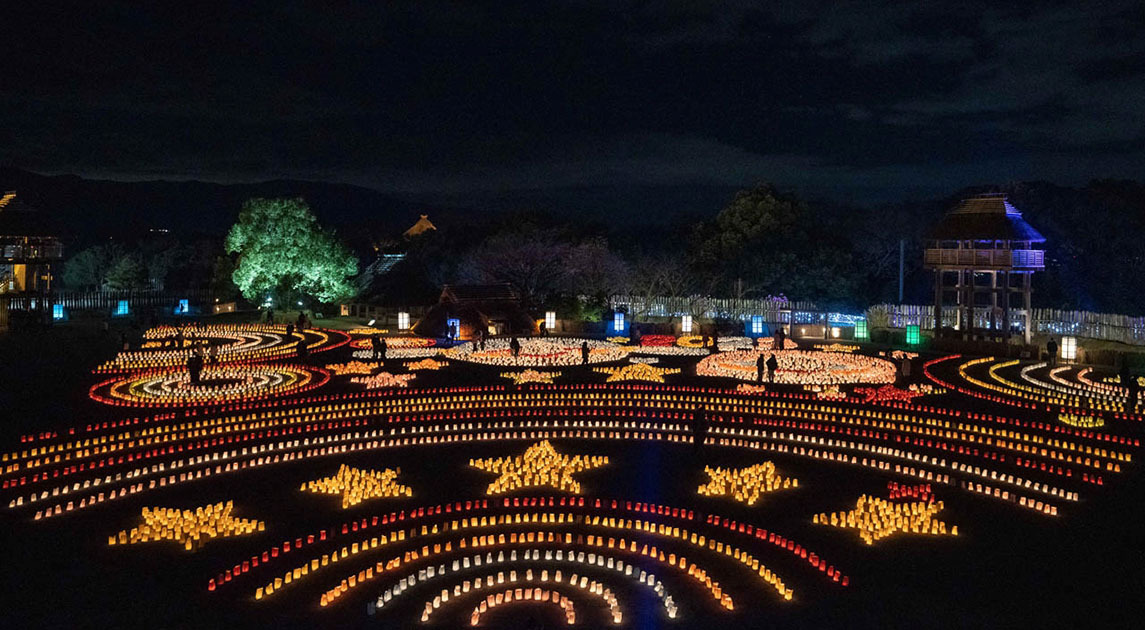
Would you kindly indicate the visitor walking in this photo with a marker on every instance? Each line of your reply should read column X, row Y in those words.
column 289, row 330
column 699, row 428
column 584, row 353
column 780, row 338
column 704, row 341
column 515, row 346
column 303, row 350
column 195, row 367
column 760, row 365
column 772, row 366
column 270, row 315
column 383, row 348
column 1052, row 349
column 212, row 355
column 1132, row 388
column 544, row 329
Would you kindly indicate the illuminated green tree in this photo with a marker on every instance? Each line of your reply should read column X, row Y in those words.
column 282, row 251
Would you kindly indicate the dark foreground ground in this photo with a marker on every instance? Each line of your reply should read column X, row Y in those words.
column 1008, row 569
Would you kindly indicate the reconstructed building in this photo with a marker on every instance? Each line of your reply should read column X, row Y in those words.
column 29, row 248
column 984, row 254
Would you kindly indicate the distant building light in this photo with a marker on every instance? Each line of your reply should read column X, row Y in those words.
column 403, row 321
column 686, row 324
column 371, row 322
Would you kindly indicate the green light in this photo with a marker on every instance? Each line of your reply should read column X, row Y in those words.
column 912, row 334
column 861, row 329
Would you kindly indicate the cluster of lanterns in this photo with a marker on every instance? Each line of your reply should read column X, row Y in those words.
column 658, row 340
column 218, row 384
column 395, row 343
column 745, row 485
column 357, row 485
column 399, row 353
column 890, row 393
column 384, row 380
column 826, row 392
column 799, row 367
column 875, row 518
column 837, row 347
column 540, row 466
column 538, row 352
column 367, row 331
column 189, row 528
column 353, row 367
column 530, row 376
column 1083, row 421
column 425, row 364
column 637, row 372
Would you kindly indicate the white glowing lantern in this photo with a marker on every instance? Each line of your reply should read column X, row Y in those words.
column 550, row 320
column 403, row 321
column 757, row 324
column 1069, row 348
column 686, row 324
column 618, row 322
column 835, row 332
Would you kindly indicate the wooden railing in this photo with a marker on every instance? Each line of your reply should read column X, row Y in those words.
column 986, row 258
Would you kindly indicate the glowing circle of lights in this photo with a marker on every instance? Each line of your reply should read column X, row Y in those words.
column 800, row 367
column 547, row 352
column 218, row 384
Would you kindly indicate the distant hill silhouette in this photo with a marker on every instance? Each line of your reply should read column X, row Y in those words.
column 90, row 209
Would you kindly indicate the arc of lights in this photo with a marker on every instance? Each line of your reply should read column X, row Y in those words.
column 527, row 579
column 533, row 558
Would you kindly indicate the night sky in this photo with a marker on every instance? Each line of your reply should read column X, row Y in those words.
column 863, row 101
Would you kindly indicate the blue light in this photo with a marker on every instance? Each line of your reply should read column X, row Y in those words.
column 618, row 322
column 57, row 311
column 757, row 324
column 121, row 308
column 183, row 308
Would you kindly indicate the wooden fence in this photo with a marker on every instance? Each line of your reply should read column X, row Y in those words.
column 1084, row 324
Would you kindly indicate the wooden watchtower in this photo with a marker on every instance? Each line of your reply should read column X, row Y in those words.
column 983, row 252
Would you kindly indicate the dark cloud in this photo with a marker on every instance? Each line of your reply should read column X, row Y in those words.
column 868, row 99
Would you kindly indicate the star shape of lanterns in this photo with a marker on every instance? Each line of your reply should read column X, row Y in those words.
column 530, row 376
column 382, row 380
column 190, row 528
column 353, row 367
column 425, row 364
column 745, row 485
column 637, row 372
column 874, row 519
column 357, row 485
column 540, row 466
